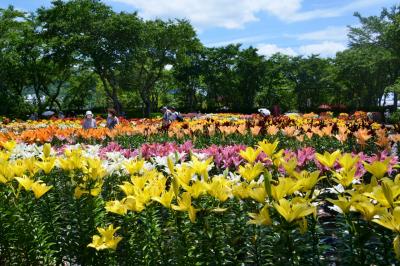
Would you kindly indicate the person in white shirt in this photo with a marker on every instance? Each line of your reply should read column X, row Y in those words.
column 166, row 121
column 175, row 115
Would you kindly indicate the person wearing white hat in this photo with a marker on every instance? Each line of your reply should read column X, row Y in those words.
column 264, row 112
column 89, row 121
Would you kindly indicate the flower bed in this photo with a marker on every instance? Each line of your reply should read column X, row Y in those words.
column 176, row 201
column 251, row 191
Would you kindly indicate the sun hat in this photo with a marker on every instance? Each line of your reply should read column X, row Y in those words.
column 89, row 113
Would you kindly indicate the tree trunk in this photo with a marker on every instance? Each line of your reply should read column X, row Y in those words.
column 147, row 108
column 395, row 100
column 112, row 94
column 117, row 104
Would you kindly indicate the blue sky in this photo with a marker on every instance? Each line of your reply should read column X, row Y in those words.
column 294, row 27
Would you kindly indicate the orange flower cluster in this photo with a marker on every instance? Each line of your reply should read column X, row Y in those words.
column 301, row 128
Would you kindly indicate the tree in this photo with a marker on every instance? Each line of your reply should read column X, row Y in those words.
column 163, row 44
column 251, row 70
column 219, row 69
column 381, row 35
column 312, row 84
column 189, row 78
column 31, row 63
column 278, row 87
column 97, row 37
column 364, row 72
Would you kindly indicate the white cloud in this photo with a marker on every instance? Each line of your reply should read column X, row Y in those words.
column 325, row 49
column 329, row 34
column 235, row 14
column 243, row 40
column 214, row 13
column 270, row 49
column 349, row 8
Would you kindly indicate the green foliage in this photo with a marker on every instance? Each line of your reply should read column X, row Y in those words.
column 81, row 53
column 395, row 117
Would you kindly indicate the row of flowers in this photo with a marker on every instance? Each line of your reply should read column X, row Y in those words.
column 285, row 189
column 303, row 131
column 231, row 157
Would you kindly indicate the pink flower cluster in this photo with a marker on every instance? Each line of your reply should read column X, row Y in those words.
column 228, row 157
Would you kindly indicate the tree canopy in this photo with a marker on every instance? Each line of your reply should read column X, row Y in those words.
column 81, row 54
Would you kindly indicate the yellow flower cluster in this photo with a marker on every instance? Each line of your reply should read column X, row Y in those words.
column 292, row 196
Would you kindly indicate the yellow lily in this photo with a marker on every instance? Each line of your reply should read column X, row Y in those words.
column 39, row 189
column 391, row 221
column 185, row 204
column 136, row 204
column 128, row 188
column 345, row 177
column 4, row 156
column 165, row 198
column 19, row 168
column 261, row 218
column 285, row 187
column 106, row 240
column 201, row 167
column 268, row 148
column 277, row 158
column 250, row 172
column 78, row 192
column 220, row 188
column 9, row 145
column 367, row 209
column 290, row 165
column 327, row 159
column 184, row 174
column 250, row 155
column 197, row 188
column 344, row 203
column 307, row 180
column 240, row 191
column 30, row 164
column 347, row 161
column 95, row 169
column 47, row 165
column 386, row 194
column 46, row 150
column 259, row 194
column 116, row 206
column 377, row 168
column 295, row 209
column 25, row 181
column 134, row 166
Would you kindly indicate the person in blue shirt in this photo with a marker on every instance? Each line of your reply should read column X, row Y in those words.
column 112, row 119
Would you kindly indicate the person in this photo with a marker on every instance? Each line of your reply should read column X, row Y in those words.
column 175, row 115
column 112, row 119
column 61, row 115
column 264, row 112
column 33, row 116
column 387, row 115
column 89, row 121
column 167, row 115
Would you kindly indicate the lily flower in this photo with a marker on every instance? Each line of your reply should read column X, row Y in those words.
column 106, row 240
column 261, row 218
